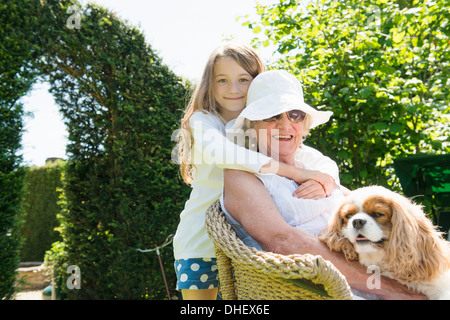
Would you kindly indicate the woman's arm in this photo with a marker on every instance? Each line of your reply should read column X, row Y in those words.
column 249, row 202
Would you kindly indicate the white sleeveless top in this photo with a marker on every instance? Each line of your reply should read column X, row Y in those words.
column 305, row 214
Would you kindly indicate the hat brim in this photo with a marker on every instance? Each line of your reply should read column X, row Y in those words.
column 274, row 104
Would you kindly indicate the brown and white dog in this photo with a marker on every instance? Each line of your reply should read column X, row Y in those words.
column 379, row 227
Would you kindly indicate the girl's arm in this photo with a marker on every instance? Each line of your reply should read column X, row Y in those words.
column 300, row 175
column 212, row 147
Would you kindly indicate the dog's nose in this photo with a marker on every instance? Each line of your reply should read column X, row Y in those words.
column 358, row 223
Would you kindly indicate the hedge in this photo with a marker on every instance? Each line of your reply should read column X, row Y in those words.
column 16, row 78
column 11, row 192
column 121, row 191
column 43, row 187
column 120, row 103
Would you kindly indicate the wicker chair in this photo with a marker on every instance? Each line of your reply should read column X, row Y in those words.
column 246, row 273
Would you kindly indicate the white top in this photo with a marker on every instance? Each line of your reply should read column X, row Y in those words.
column 313, row 159
column 305, row 214
column 211, row 153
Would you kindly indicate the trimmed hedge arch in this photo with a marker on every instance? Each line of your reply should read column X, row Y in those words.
column 120, row 104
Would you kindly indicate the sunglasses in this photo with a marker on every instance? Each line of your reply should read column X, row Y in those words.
column 293, row 116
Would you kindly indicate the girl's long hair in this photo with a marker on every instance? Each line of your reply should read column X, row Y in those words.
column 203, row 97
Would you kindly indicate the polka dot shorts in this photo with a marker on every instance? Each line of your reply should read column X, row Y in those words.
column 197, row 273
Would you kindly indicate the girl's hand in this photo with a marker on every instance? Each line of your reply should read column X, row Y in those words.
column 310, row 189
column 324, row 179
column 299, row 175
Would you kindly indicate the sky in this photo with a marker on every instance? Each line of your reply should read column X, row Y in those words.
column 182, row 32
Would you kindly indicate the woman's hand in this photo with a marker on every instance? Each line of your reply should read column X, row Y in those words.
column 310, row 189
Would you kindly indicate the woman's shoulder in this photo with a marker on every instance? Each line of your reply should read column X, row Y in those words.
column 306, row 150
column 309, row 155
column 315, row 160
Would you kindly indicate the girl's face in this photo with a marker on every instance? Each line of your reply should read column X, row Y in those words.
column 280, row 139
column 231, row 83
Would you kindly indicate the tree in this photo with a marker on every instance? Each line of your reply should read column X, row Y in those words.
column 16, row 77
column 121, row 192
column 383, row 69
column 120, row 103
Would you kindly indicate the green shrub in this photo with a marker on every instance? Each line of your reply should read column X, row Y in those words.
column 16, row 77
column 381, row 66
column 11, row 192
column 120, row 104
column 120, row 190
column 41, row 207
column 56, row 265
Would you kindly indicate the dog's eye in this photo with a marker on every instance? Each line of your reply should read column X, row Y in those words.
column 377, row 214
column 348, row 216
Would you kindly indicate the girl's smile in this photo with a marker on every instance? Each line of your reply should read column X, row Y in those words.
column 231, row 83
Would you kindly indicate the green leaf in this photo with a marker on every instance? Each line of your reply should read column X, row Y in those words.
column 257, row 29
column 380, row 126
column 365, row 92
column 398, row 37
column 309, row 285
column 387, row 69
column 363, row 173
column 342, row 154
column 395, row 127
column 344, row 91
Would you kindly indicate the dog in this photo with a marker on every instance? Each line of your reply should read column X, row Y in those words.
column 379, row 227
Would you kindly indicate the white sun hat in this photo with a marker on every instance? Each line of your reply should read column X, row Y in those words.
column 275, row 92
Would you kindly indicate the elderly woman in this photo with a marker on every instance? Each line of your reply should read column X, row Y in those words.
column 272, row 213
column 281, row 121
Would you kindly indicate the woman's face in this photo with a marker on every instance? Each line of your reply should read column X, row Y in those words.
column 280, row 139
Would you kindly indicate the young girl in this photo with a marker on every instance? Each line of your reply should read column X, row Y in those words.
column 205, row 152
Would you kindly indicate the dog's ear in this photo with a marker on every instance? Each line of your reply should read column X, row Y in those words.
column 332, row 236
column 416, row 251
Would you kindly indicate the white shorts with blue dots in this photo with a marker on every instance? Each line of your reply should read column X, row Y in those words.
column 197, row 273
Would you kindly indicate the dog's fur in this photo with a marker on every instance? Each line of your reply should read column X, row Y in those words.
column 380, row 227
